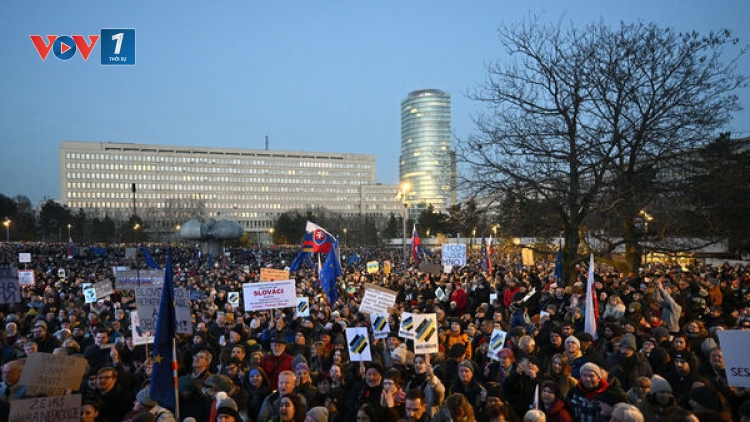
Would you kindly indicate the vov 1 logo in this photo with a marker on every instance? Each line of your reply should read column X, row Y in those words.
column 117, row 46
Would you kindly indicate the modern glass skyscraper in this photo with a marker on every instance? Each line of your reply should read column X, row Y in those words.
column 427, row 161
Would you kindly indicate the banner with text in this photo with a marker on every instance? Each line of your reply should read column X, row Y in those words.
column 147, row 300
column 10, row 289
column 140, row 336
column 58, row 409
column 736, row 359
column 377, row 299
column 45, row 373
column 269, row 295
column 454, row 254
column 425, row 335
column 26, row 277
column 130, row 279
column 271, row 274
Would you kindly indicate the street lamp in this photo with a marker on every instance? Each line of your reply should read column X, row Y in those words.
column 135, row 232
column 403, row 195
column 6, row 223
column 646, row 219
column 271, row 231
column 473, row 235
column 69, row 225
column 345, row 237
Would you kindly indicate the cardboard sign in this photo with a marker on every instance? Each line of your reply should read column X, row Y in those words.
column 52, row 373
column 130, row 279
column 387, row 267
column 234, row 299
column 527, row 256
column 24, row 257
column 103, row 289
column 407, row 328
column 373, row 267
column 379, row 324
column 303, row 307
column 736, row 359
column 359, row 344
column 139, row 335
column 377, row 299
column 10, row 289
column 454, row 254
column 269, row 295
column 26, row 277
column 272, row 274
column 148, row 299
column 497, row 340
column 425, row 335
column 89, row 292
column 58, row 409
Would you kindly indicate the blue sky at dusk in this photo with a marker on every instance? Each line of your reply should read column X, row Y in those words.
column 314, row 76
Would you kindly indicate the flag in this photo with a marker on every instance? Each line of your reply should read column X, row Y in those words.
column 559, row 273
column 536, row 398
column 416, row 244
column 486, row 256
column 164, row 374
column 149, row 259
column 305, row 254
column 353, row 259
column 71, row 248
column 322, row 240
column 592, row 305
column 330, row 272
column 210, row 260
column 98, row 251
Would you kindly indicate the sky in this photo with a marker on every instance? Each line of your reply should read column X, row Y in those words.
column 323, row 76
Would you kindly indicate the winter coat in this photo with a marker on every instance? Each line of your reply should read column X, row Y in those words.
column 584, row 404
column 670, row 310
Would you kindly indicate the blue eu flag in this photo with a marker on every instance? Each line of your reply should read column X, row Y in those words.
column 163, row 381
column 331, row 270
column 149, row 259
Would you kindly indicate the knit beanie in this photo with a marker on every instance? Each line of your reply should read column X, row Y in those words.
column 659, row 384
column 573, row 339
column 628, row 340
column 466, row 364
column 595, row 369
column 318, row 414
column 144, row 397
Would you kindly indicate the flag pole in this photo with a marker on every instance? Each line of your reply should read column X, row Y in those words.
column 174, row 375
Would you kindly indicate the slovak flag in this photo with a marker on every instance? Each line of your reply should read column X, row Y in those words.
column 322, row 240
column 592, row 304
column 416, row 244
column 71, row 248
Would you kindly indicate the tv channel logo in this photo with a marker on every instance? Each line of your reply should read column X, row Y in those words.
column 117, row 46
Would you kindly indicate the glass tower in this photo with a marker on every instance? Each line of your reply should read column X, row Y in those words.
column 427, row 162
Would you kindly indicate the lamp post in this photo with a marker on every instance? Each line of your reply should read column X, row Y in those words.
column 6, row 223
column 271, row 232
column 69, row 225
column 345, row 237
column 646, row 219
column 403, row 194
column 135, row 232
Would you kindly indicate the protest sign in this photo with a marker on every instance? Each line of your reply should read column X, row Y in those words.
column 61, row 273
column 303, row 307
column 130, row 279
column 447, row 269
column 425, row 335
column 139, row 335
column 58, row 409
column 377, row 299
column 387, row 267
column 89, row 292
column 24, row 257
column 26, row 277
column 10, row 290
column 493, row 298
column 430, row 268
column 197, row 295
column 272, row 274
column 736, row 359
column 373, row 267
column 380, row 327
column 103, row 289
column 439, row 294
column 406, row 329
column 147, row 300
column 497, row 340
column 50, row 374
column 234, row 299
column 359, row 344
column 454, row 254
column 527, row 256
column 269, row 295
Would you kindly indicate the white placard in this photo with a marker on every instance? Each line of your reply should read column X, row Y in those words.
column 147, row 300
column 10, row 289
column 454, row 254
column 140, row 336
column 303, row 307
column 447, row 269
column 58, row 409
column 736, row 359
column 439, row 294
column 269, row 295
column 89, row 293
column 26, row 277
column 497, row 340
column 358, row 344
column 234, row 299
column 408, row 325
column 377, row 299
column 61, row 273
column 380, row 327
column 24, row 257
column 493, row 297
column 425, row 335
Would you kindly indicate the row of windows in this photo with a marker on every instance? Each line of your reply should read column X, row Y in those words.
column 147, row 158
column 208, row 180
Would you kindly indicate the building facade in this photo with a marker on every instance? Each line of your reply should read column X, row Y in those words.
column 251, row 187
column 427, row 162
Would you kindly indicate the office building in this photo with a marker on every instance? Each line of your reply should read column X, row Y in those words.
column 252, row 187
column 427, row 162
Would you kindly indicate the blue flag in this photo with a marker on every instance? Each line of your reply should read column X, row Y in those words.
column 98, row 251
column 149, row 259
column 210, row 260
column 330, row 271
column 305, row 254
column 163, row 377
column 353, row 259
column 559, row 272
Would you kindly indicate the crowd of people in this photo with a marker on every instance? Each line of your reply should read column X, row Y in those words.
column 655, row 355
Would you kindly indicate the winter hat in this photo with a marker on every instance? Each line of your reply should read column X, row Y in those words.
column 595, row 369
column 660, row 333
column 302, row 366
column 457, row 350
column 376, row 366
column 573, row 339
column 318, row 414
column 466, row 364
column 707, row 397
column 144, row 397
column 628, row 340
column 228, row 407
column 659, row 384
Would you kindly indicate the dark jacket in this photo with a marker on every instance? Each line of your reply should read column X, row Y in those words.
column 584, row 404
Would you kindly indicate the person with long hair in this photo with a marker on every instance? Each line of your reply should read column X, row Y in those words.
column 258, row 387
column 558, row 372
column 455, row 409
column 291, row 409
